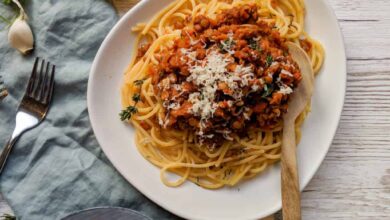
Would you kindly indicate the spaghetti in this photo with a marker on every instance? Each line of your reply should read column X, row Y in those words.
column 179, row 116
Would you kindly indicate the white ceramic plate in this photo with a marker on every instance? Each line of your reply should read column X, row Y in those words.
column 253, row 199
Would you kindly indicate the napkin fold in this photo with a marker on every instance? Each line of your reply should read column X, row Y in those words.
column 58, row 167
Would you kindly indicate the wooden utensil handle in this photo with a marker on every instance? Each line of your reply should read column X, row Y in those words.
column 291, row 199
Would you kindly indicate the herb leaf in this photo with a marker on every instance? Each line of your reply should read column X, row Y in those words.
column 139, row 82
column 127, row 113
column 131, row 110
column 5, row 20
column 226, row 45
column 220, row 46
column 136, row 97
column 268, row 89
column 269, row 60
column 201, row 96
column 254, row 45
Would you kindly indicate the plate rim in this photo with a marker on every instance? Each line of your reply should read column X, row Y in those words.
column 78, row 212
column 306, row 180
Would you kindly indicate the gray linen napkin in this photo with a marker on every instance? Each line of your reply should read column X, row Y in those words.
column 59, row 168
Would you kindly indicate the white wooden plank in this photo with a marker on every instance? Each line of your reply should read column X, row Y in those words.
column 349, row 190
column 367, row 39
column 352, row 10
column 366, row 27
column 354, row 180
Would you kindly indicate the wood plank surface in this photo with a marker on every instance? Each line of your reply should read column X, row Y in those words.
column 354, row 180
column 122, row 6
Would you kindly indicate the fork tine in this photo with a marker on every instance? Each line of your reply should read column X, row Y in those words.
column 44, row 84
column 50, row 86
column 31, row 82
column 39, row 80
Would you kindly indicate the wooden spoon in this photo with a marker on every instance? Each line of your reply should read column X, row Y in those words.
column 291, row 202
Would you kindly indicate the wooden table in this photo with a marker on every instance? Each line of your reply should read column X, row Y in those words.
column 354, row 180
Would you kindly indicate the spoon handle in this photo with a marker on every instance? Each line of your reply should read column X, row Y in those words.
column 291, row 201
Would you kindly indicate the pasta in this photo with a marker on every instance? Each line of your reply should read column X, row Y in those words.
column 195, row 153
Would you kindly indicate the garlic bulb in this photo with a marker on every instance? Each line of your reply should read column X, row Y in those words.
column 20, row 35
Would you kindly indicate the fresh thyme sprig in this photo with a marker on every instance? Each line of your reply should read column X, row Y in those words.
column 136, row 97
column 132, row 109
column 128, row 112
column 139, row 82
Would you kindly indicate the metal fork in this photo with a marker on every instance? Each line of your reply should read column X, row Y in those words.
column 34, row 106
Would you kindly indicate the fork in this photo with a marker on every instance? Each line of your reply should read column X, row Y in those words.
column 34, row 106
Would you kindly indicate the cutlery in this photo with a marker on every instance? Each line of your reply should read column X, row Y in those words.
column 5, row 206
column 291, row 203
column 34, row 106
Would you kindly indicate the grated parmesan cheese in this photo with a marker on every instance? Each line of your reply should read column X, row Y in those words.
column 228, row 46
column 246, row 73
column 285, row 72
column 210, row 136
column 192, row 41
column 255, row 88
column 160, row 121
column 188, row 53
column 285, row 90
column 164, row 84
column 246, row 113
column 173, row 106
column 206, row 74
column 257, row 38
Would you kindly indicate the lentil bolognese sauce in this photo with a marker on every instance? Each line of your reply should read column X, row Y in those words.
column 209, row 85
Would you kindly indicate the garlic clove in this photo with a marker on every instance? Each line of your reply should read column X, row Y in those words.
column 20, row 35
